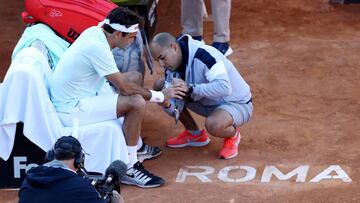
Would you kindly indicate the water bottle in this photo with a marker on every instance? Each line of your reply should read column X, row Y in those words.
column 176, row 105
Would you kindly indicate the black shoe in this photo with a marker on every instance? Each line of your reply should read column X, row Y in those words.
column 198, row 38
column 139, row 176
column 147, row 152
column 223, row 47
column 337, row 1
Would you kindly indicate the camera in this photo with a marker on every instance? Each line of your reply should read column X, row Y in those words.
column 110, row 181
column 105, row 188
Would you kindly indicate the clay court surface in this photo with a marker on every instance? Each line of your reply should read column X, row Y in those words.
column 301, row 59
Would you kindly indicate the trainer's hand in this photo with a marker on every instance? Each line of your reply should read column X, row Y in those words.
column 176, row 91
column 181, row 83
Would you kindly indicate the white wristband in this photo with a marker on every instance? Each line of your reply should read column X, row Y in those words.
column 156, row 96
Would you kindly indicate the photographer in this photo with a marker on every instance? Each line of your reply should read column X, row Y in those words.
column 57, row 180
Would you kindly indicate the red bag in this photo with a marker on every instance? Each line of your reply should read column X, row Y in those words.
column 68, row 18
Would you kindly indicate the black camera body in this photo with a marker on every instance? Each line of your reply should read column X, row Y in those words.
column 110, row 181
column 105, row 187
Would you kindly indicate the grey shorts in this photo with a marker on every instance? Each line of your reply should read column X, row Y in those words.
column 240, row 112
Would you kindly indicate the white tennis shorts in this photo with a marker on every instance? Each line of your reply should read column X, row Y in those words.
column 92, row 110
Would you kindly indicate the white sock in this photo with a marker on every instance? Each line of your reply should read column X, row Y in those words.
column 132, row 151
column 236, row 134
column 140, row 143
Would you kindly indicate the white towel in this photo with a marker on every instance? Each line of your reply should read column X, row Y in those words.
column 24, row 97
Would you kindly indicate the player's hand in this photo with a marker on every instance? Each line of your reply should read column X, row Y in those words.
column 159, row 84
column 165, row 104
column 176, row 91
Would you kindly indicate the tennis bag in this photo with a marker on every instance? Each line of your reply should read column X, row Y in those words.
column 68, row 18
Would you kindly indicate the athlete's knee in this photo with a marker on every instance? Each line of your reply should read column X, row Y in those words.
column 214, row 125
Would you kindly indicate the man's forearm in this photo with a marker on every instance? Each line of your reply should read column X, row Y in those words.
column 125, row 86
column 216, row 89
column 131, row 88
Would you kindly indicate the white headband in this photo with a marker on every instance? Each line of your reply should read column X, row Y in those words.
column 121, row 28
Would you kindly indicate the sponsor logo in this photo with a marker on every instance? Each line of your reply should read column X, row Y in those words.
column 20, row 164
column 55, row 13
column 73, row 34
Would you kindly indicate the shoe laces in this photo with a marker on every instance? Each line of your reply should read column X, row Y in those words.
column 185, row 134
column 139, row 169
column 145, row 148
column 230, row 142
column 141, row 175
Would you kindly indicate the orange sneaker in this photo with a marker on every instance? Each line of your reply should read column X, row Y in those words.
column 230, row 146
column 187, row 139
